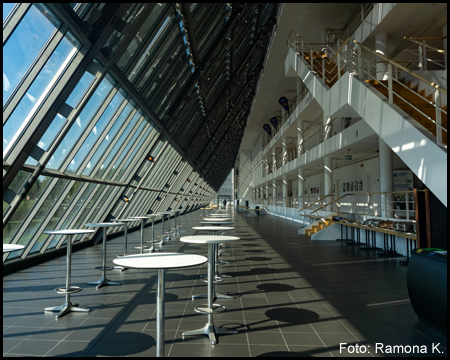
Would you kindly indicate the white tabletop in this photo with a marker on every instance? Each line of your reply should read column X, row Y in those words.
column 219, row 215
column 124, row 220
column 208, row 239
column 152, row 215
column 105, row 224
column 160, row 260
column 140, row 217
column 217, row 222
column 213, row 228
column 216, row 219
column 12, row 247
column 166, row 212
column 68, row 232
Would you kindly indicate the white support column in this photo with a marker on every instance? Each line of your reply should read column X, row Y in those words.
column 274, row 159
column 327, row 179
column 299, row 137
column 381, row 47
column 284, row 151
column 267, row 192
column 301, row 188
column 386, row 178
column 274, row 192
column 285, row 190
column 327, row 124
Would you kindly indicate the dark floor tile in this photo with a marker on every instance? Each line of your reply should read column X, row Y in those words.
column 35, row 347
column 71, row 349
column 227, row 350
column 273, row 351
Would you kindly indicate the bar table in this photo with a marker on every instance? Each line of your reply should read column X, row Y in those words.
column 217, row 219
column 216, row 230
column 12, row 247
column 160, row 262
column 177, row 214
column 125, row 242
column 153, row 216
column 104, row 281
column 210, row 309
column 67, row 307
column 142, row 218
column 163, row 213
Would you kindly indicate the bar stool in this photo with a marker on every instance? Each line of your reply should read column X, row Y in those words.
column 67, row 307
column 104, row 281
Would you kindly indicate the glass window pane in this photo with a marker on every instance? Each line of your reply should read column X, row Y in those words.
column 7, row 7
column 125, row 152
column 96, row 131
column 43, row 212
column 80, row 124
column 83, row 85
column 67, row 202
column 119, row 143
column 24, row 45
column 38, row 91
column 108, row 139
column 22, row 211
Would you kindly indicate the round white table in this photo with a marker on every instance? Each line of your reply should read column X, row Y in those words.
column 217, row 223
column 210, row 329
column 160, row 262
column 12, row 247
column 67, row 307
column 216, row 230
column 217, row 219
column 142, row 219
column 104, row 281
column 219, row 215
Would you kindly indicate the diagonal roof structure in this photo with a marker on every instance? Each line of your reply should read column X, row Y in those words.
column 116, row 109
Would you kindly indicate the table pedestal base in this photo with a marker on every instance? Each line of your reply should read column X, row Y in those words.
column 210, row 330
column 66, row 308
column 102, row 282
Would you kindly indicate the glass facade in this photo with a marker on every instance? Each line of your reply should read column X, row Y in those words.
column 121, row 110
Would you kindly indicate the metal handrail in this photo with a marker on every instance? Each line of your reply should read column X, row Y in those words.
column 374, row 193
column 315, row 202
column 426, row 45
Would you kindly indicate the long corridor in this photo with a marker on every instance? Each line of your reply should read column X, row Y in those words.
column 293, row 297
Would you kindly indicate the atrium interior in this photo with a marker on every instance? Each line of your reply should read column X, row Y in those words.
column 309, row 140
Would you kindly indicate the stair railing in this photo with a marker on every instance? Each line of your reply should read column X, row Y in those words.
column 394, row 204
column 362, row 61
column 320, row 200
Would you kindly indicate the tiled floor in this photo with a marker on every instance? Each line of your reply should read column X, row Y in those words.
column 294, row 297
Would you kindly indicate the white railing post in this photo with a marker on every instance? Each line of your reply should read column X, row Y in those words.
column 420, row 60
column 391, row 96
column 407, row 205
column 339, row 65
column 359, row 64
column 437, row 101
column 323, row 69
column 424, row 56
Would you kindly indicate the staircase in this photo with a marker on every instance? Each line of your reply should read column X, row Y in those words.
column 330, row 68
column 412, row 96
column 320, row 224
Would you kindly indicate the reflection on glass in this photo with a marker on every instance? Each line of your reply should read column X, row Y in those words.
column 22, row 211
column 38, row 91
column 24, row 44
column 80, row 124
